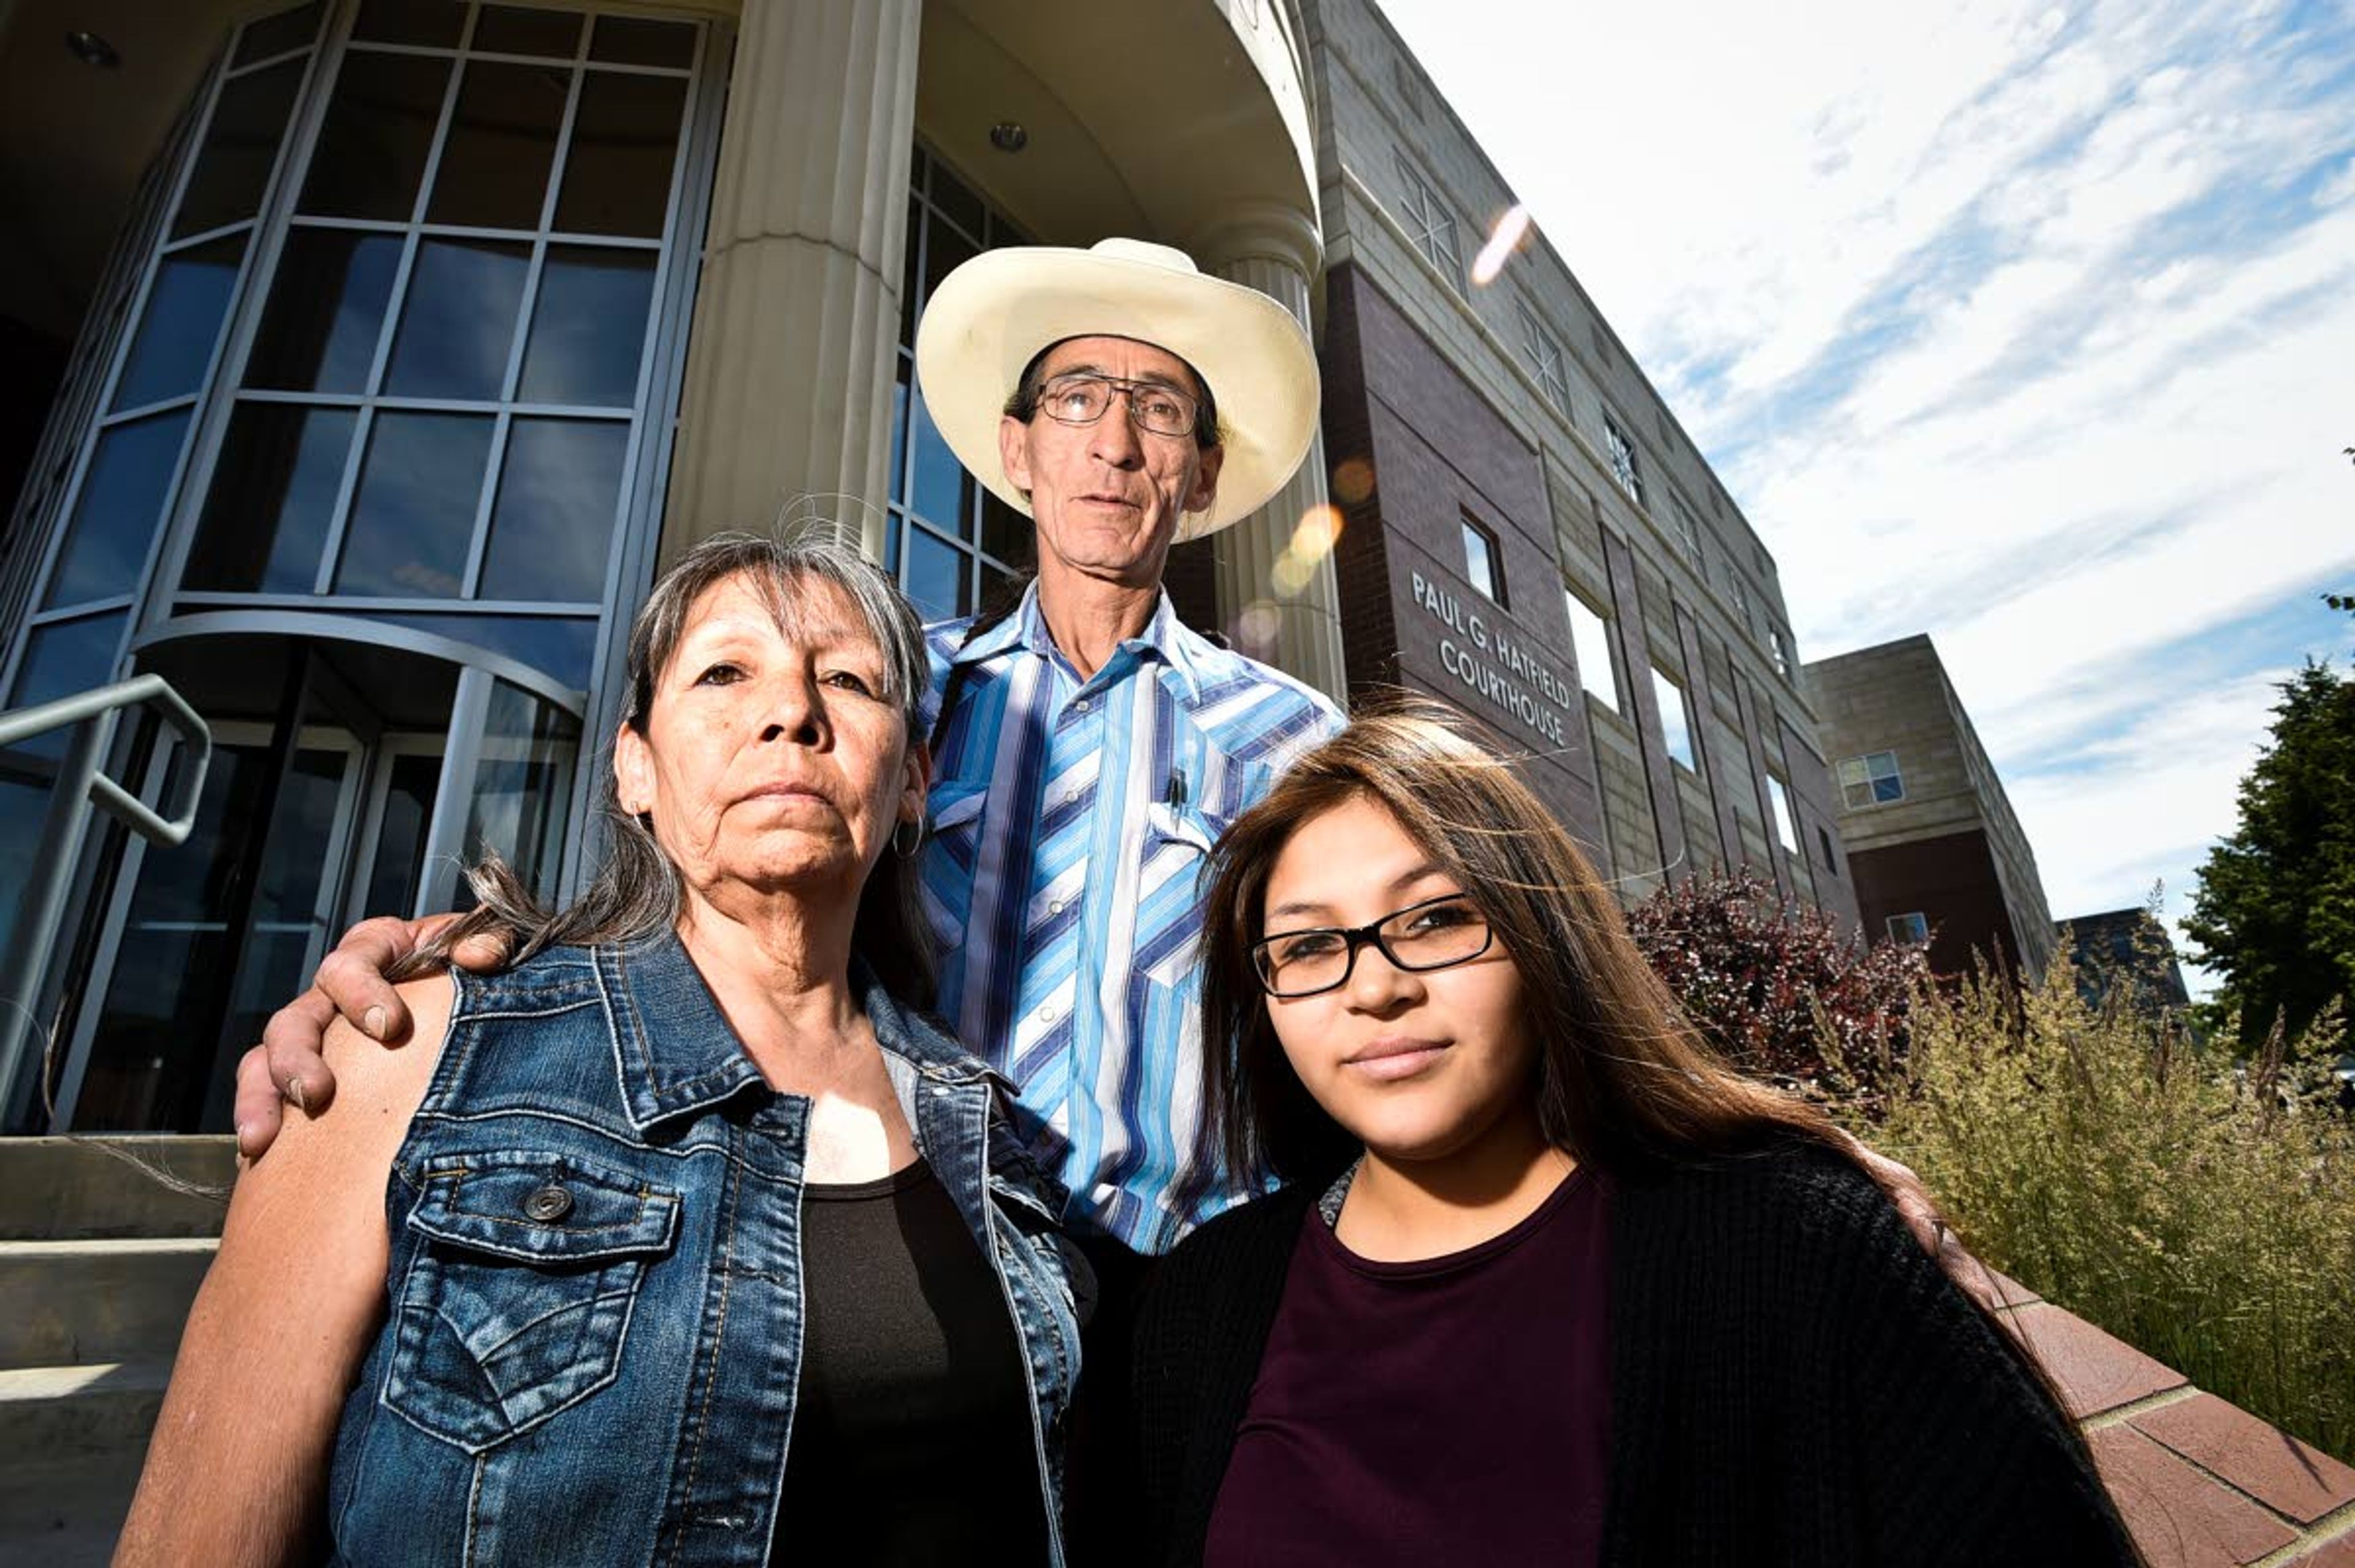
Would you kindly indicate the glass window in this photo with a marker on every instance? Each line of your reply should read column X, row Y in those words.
column 1544, row 357
column 588, row 326
column 276, row 35
column 970, row 545
column 630, row 40
column 181, row 323
column 459, row 320
column 502, row 143
column 526, row 30
column 560, row 646
column 552, row 525
column 1481, row 565
column 413, row 517
column 1913, row 927
column 1780, row 649
column 1784, row 829
column 397, row 866
column 426, row 22
column 1871, row 780
column 1676, row 719
column 273, row 496
column 240, row 146
column 326, row 310
column 371, row 152
column 64, row 657
column 523, row 785
column 617, row 173
column 932, row 572
column 1625, row 466
column 1430, row 225
column 957, row 201
column 936, row 486
column 115, row 516
column 1590, row 640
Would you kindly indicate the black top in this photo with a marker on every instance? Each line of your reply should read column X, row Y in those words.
column 1793, row 1380
column 911, row 1440
column 1448, row 1410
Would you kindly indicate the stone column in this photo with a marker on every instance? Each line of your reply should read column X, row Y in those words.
column 789, row 371
column 1276, row 585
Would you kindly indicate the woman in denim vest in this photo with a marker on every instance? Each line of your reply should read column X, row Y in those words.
column 686, row 1239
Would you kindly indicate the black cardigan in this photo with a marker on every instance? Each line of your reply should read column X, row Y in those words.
column 1793, row 1380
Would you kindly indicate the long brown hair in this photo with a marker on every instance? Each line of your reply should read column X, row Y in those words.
column 1623, row 1079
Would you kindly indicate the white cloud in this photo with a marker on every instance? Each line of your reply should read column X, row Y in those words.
column 2016, row 341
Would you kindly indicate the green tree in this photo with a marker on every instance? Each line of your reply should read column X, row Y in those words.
column 2274, row 911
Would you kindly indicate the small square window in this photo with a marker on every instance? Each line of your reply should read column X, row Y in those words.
column 1913, row 927
column 1544, row 357
column 1625, row 466
column 1430, row 224
column 1779, row 649
column 1688, row 531
column 1590, row 640
column 1676, row 719
column 1484, row 563
column 1870, row 780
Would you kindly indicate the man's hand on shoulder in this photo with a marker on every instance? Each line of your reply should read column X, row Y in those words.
column 288, row 1064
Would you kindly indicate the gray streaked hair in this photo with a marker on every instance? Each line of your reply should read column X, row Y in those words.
column 637, row 891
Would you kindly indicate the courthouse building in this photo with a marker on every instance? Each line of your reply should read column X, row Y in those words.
column 364, row 358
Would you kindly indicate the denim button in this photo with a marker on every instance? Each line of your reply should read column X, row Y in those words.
column 548, row 1204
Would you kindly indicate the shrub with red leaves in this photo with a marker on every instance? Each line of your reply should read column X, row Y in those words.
column 1765, row 981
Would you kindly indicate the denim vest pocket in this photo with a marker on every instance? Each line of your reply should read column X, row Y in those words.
column 525, row 1272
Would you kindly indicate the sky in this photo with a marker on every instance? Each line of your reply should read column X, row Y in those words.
column 2028, row 326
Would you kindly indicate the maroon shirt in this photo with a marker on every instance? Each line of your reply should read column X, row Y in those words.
column 1451, row 1410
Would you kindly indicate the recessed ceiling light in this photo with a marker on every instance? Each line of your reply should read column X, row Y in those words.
column 91, row 50
column 1007, row 136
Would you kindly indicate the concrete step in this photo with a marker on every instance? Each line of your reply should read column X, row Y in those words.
column 60, row 1412
column 66, row 1513
column 72, row 1442
column 65, row 1304
column 83, row 1189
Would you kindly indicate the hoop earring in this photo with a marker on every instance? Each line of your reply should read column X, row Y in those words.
column 906, row 849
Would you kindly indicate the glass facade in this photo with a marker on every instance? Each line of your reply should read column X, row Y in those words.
column 954, row 547
column 376, row 458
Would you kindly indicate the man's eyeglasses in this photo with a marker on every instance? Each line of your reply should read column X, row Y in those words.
column 1082, row 398
column 1431, row 934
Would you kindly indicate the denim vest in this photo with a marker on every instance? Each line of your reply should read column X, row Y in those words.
column 594, row 1303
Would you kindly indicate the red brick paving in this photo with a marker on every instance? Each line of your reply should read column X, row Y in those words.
column 2180, row 1518
column 2268, row 1464
column 2097, row 1372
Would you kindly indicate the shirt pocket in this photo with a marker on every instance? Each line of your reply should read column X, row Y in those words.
column 519, row 1297
column 952, row 819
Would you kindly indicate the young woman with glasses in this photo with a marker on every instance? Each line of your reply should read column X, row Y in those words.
column 1544, row 1281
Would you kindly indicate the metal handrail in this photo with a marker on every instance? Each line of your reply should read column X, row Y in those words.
column 79, row 785
column 139, row 691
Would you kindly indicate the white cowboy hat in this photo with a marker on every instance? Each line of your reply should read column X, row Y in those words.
column 989, row 317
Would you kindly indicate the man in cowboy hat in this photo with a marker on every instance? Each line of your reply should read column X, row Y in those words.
column 1088, row 746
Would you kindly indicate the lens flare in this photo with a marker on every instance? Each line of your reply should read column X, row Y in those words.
column 1503, row 241
column 1353, row 480
column 1256, row 627
column 1319, row 531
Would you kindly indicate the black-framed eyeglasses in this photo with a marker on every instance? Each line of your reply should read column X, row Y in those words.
column 1431, row 934
column 1082, row 397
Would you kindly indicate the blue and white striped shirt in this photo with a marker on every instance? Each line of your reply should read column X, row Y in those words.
column 1069, row 821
